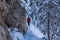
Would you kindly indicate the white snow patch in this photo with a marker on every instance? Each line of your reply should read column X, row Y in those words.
column 36, row 31
column 16, row 35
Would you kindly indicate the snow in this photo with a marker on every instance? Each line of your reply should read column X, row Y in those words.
column 44, row 8
column 15, row 35
column 33, row 33
column 46, row 1
column 36, row 31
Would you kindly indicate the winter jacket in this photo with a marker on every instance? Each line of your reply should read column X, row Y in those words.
column 28, row 19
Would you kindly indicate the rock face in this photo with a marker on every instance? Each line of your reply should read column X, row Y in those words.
column 11, row 15
column 4, row 34
column 15, row 15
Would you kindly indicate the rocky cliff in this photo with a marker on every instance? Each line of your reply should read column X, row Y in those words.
column 11, row 15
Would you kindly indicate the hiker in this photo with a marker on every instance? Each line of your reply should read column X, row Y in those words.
column 28, row 20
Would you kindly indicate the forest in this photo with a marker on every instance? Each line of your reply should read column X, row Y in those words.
column 29, row 19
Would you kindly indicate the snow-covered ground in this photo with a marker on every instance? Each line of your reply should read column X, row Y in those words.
column 15, row 35
column 36, row 31
column 33, row 33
